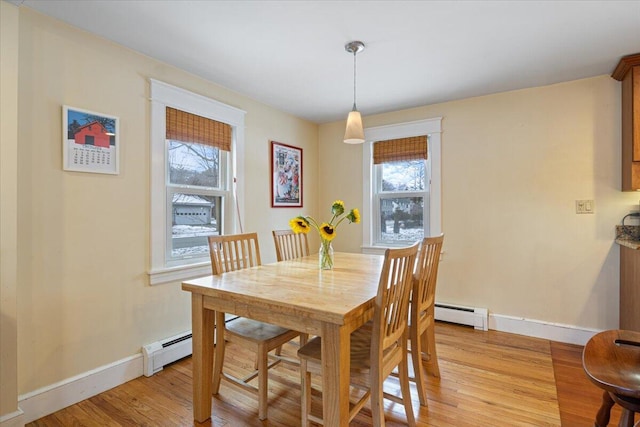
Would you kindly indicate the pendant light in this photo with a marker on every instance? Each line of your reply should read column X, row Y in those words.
column 354, row 134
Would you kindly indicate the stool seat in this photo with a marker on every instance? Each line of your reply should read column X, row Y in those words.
column 611, row 360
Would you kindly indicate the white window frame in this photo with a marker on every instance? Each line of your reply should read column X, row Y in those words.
column 431, row 127
column 163, row 270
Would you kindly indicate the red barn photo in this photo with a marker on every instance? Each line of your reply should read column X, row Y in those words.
column 93, row 133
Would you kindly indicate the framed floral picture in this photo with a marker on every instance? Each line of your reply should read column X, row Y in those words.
column 286, row 175
column 89, row 141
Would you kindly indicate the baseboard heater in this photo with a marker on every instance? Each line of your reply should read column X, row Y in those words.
column 470, row 316
column 157, row 355
column 160, row 353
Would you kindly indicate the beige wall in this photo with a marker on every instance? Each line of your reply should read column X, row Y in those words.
column 83, row 239
column 513, row 165
column 8, row 207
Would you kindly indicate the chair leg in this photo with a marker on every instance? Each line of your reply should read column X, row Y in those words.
column 263, row 386
column 377, row 398
column 418, row 370
column 626, row 419
column 432, row 361
column 305, row 391
column 218, row 359
column 604, row 413
column 403, row 375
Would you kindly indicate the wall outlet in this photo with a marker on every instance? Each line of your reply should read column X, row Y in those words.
column 585, row 206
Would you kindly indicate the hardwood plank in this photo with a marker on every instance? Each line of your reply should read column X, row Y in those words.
column 579, row 398
column 487, row 379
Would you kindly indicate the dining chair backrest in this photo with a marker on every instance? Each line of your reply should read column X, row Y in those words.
column 234, row 252
column 426, row 274
column 290, row 245
column 392, row 303
column 422, row 314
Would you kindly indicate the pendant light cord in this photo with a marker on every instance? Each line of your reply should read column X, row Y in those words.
column 354, row 80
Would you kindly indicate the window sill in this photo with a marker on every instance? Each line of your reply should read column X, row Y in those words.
column 379, row 250
column 183, row 272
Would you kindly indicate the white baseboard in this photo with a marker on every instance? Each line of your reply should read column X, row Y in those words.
column 52, row 398
column 539, row 329
column 14, row 419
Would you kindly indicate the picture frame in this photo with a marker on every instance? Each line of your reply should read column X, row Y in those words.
column 90, row 141
column 286, row 175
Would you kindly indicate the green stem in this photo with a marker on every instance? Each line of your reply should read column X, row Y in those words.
column 326, row 258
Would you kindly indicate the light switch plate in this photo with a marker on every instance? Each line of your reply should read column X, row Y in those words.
column 585, row 207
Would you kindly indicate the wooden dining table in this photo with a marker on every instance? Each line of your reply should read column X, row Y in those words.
column 294, row 294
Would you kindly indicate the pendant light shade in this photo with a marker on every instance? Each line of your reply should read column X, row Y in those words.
column 354, row 133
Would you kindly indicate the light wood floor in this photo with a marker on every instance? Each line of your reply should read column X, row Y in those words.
column 487, row 379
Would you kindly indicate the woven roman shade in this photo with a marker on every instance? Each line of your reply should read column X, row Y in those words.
column 187, row 127
column 394, row 150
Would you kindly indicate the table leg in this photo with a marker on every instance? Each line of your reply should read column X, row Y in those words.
column 202, row 326
column 604, row 413
column 335, row 375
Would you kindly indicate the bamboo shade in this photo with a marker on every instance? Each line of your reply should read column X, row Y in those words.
column 187, row 127
column 393, row 150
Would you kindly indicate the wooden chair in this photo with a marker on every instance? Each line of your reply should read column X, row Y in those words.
column 290, row 245
column 230, row 253
column 611, row 360
column 377, row 348
column 422, row 313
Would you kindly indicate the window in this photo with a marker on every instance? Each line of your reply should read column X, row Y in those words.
column 402, row 184
column 198, row 150
column 196, row 147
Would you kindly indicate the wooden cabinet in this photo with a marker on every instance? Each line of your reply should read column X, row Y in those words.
column 629, row 289
column 628, row 72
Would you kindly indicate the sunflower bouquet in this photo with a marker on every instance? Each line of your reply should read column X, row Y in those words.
column 327, row 230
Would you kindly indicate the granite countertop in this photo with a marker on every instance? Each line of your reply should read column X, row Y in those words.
column 628, row 236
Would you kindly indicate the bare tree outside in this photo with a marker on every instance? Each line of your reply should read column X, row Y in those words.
column 194, row 164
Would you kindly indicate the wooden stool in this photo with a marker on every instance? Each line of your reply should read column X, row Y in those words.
column 611, row 360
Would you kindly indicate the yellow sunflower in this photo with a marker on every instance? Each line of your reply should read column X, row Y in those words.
column 327, row 231
column 354, row 216
column 299, row 225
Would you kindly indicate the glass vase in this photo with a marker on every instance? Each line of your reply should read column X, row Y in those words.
column 325, row 256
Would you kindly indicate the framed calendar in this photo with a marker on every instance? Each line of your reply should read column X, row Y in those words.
column 90, row 141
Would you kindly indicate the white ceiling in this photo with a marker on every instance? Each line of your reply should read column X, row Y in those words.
column 290, row 54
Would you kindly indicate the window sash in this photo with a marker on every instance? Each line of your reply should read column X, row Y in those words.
column 378, row 198
column 223, row 171
column 221, row 191
column 191, row 257
column 379, row 194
